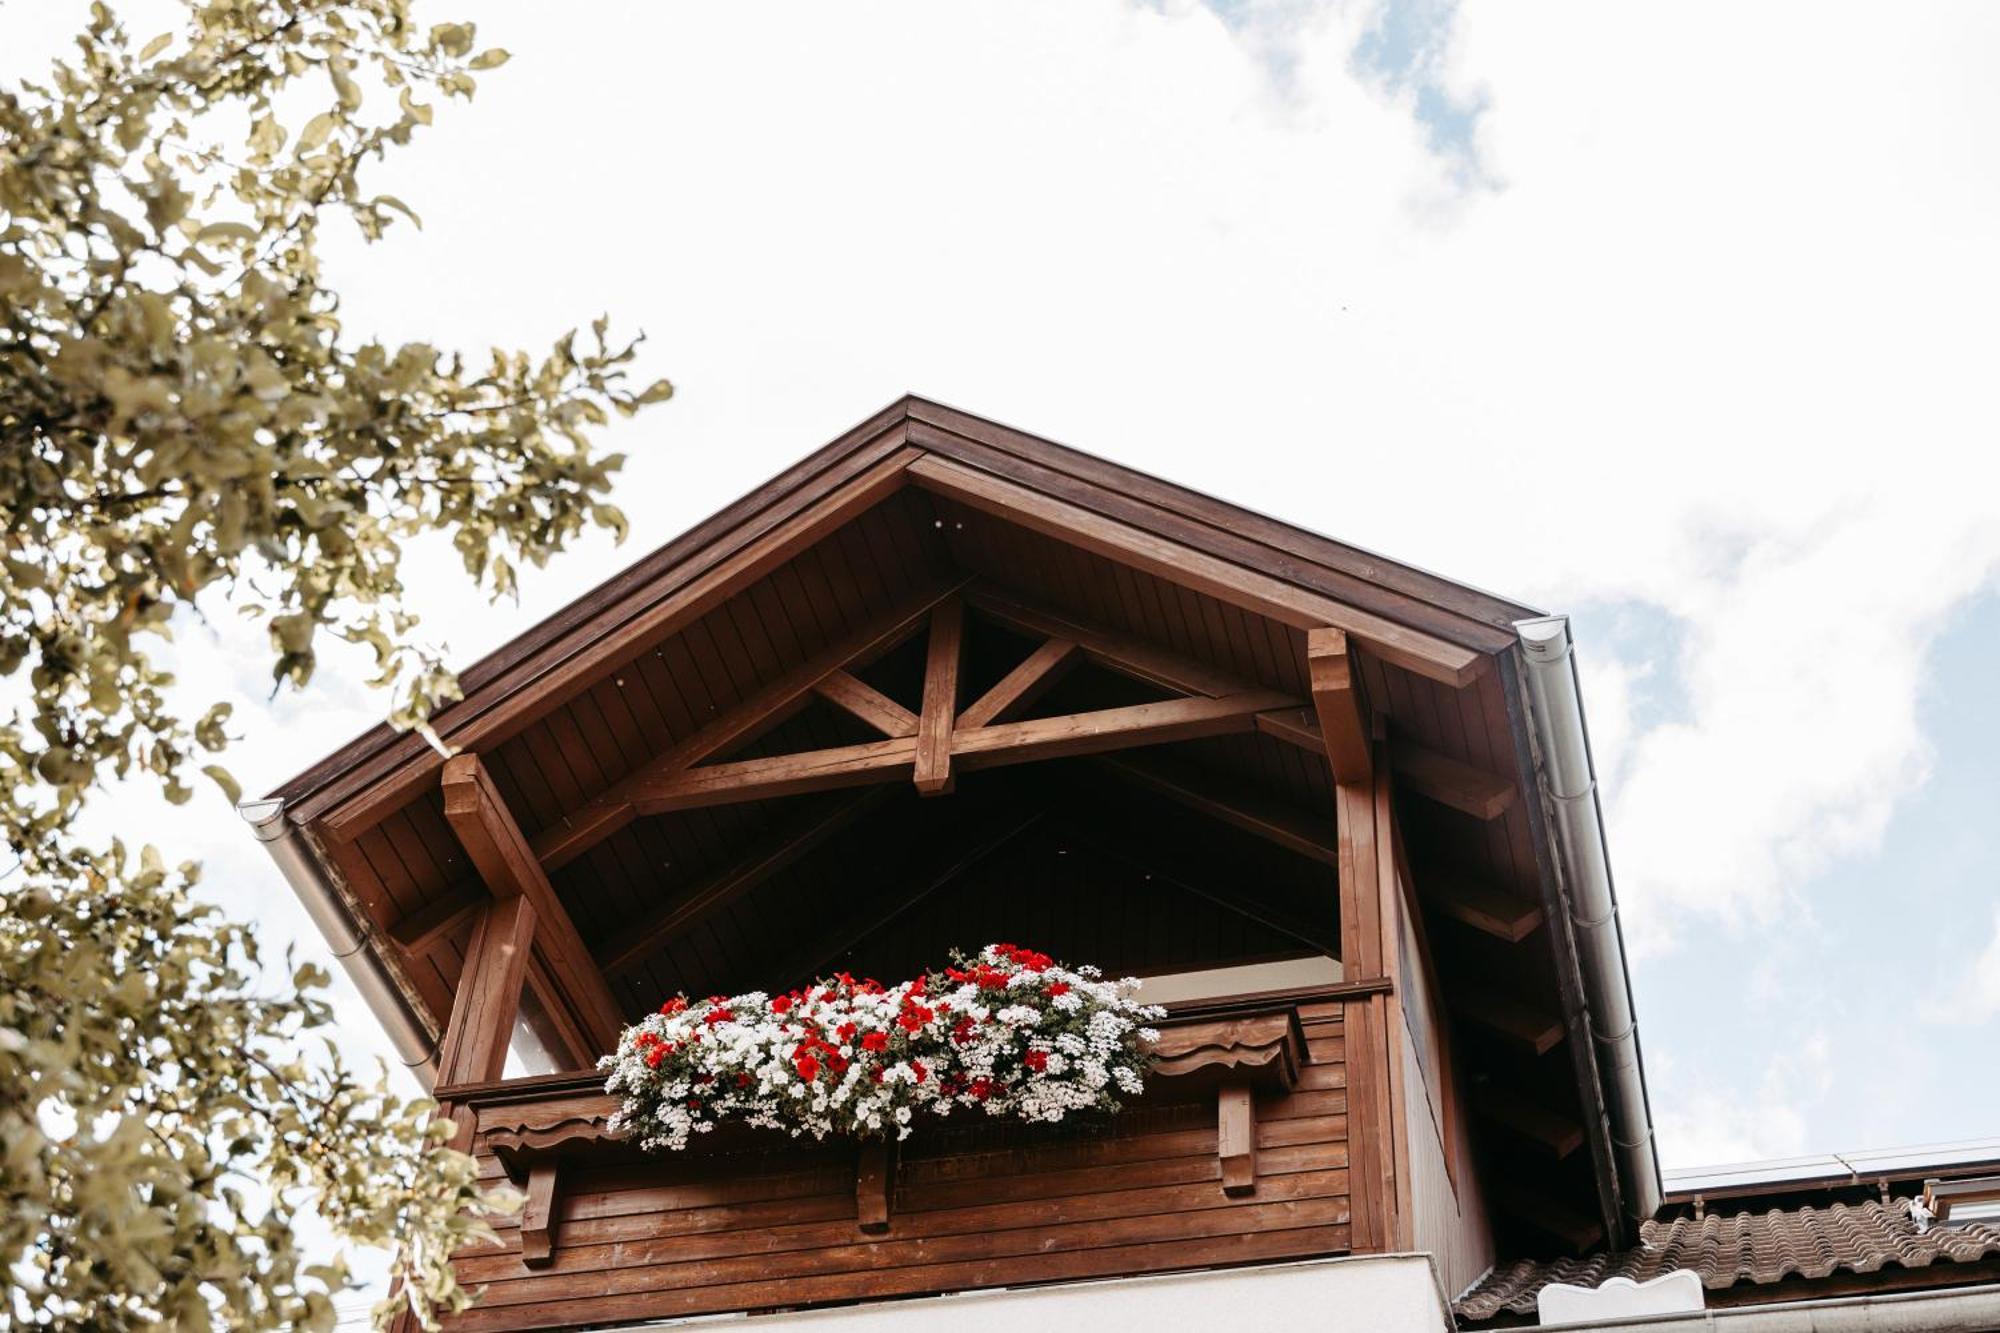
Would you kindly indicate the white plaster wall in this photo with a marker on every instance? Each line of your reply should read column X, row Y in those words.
column 1395, row 1293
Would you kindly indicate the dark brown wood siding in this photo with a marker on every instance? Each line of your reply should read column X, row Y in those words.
column 973, row 1206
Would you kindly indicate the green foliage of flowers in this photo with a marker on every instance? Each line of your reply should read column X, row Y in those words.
column 182, row 413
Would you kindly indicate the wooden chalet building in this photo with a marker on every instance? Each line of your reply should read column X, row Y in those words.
column 943, row 683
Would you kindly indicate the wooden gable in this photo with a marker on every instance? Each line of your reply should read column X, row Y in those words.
column 942, row 681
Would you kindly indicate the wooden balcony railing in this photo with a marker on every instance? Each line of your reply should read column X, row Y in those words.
column 1237, row 1152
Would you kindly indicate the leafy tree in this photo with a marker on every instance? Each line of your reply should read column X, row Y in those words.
column 185, row 425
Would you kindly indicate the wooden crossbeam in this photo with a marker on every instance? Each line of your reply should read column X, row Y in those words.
column 778, row 775
column 505, row 861
column 1510, row 1019
column 983, row 747
column 1549, row 1132
column 1450, row 781
column 603, row 815
column 1297, row 727
column 1230, row 803
column 1483, row 906
column 1023, row 685
column 1110, row 729
column 856, row 696
column 1341, row 704
column 932, row 767
column 725, row 886
column 1251, row 590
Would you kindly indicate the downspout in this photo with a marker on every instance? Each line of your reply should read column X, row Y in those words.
column 1562, row 741
column 300, row 863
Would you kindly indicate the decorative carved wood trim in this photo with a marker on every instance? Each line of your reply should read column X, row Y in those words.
column 1262, row 1051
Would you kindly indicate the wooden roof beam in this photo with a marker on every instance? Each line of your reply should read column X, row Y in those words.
column 500, row 851
column 1483, row 906
column 1252, row 590
column 859, row 699
column 1026, row 683
column 727, row 885
column 1549, row 1132
column 606, row 813
column 932, row 767
column 1341, row 704
column 1511, row 1020
column 1448, row 781
column 981, row 747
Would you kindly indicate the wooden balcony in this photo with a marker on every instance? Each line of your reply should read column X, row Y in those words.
column 1238, row 1153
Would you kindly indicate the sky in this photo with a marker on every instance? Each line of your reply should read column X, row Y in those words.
column 1677, row 318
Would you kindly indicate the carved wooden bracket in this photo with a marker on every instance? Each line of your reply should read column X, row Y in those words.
column 1261, row 1050
column 874, row 1185
column 538, row 1220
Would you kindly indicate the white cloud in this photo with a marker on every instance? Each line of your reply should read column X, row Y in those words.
column 1701, row 1121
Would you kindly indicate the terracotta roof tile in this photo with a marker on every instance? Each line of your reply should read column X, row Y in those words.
column 1748, row 1248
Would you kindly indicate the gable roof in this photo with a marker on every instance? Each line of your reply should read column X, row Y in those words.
column 853, row 546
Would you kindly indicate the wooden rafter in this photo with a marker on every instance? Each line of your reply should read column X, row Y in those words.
column 1019, row 688
column 436, row 921
column 1341, row 704
column 727, row 885
column 499, row 850
column 932, row 765
column 857, row 697
column 1448, row 781
column 610, row 811
column 1252, row 590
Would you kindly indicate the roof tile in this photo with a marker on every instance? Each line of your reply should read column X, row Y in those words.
column 1748, row 1248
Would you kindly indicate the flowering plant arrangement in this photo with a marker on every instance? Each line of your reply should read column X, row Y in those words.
column 1007, row 1032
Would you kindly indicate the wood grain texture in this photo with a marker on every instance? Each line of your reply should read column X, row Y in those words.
column 489, row 993
column 932, row 767
column 1340, row 701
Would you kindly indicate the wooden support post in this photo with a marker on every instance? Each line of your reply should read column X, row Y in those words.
column 500, row 851
column 874, row 1185
column 1236, row 1139
column 853, row 695
column 538, row 1215
column 1341, row 704
column 933, row 762
column 489, row 994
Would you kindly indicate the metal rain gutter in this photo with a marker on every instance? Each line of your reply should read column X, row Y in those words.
column 1555, row 708
column 300, row 863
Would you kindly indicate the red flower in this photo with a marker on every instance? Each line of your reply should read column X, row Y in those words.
column 1036, row 1060
column 716, row 1016
column 846, row 1031
column 781, row 1004
column 981, row 1088
column 917, row 1067
column 1058, row 988
column 875, row 1041
column 673, row 1006
column 808, row 1067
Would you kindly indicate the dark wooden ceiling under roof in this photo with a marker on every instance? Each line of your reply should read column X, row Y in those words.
column 812, row 606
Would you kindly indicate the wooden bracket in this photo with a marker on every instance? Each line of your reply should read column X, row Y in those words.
column 874, row 1185
column 1341, row 703
column 538, row 1215
column 1236, row 1138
